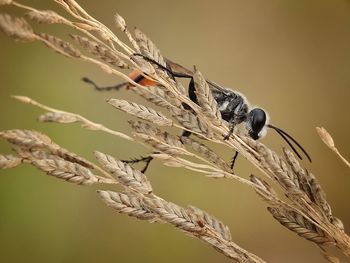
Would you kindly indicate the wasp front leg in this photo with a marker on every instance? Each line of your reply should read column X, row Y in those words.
column 231, row 129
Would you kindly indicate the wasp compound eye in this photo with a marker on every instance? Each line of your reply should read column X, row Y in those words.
column 257, row 122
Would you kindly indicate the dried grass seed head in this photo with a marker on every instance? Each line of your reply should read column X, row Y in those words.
column 9, row 161
column 33, row 140
column 148, row 48
column 300, row 225
column 173, row 214
column 192, row 122
column 159, row 140
column 156, row 95
column 60, row 46
column 26, row 138
column 45, row 17
column 59, row 117
column 127, row 203
column 124, row 173
column 100, row 51
column 326, row 137
column 216, row 225
column 16, row 28
column 62, row 169
column 120, row 22
column 141, row 111
column 205, row 98
column 206, row 152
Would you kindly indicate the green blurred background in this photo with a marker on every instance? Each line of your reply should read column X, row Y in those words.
column 290, row 57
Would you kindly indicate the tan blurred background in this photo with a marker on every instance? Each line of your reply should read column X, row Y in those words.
column 290, row 57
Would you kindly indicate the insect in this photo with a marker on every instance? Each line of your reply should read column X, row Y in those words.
column 233, row 106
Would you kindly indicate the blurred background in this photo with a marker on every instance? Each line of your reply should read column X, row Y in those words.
column 290, row 57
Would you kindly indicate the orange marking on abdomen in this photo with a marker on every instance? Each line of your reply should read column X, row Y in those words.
column 144, row 81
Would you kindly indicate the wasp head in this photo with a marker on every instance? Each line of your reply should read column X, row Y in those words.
column 256, row 123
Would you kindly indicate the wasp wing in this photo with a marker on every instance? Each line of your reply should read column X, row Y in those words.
column 181, row 69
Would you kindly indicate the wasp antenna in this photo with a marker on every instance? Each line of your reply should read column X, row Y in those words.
column 106, row 88
column 289, row 143
column 286, row 136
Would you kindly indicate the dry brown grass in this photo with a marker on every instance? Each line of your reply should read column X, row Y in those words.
column 305, row 209
column 328, row 140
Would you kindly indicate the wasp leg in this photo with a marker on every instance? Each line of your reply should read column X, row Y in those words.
column 186, row 134
column 234, row 160
column 228, row 135
column 105, row 88
column 136, row 160
column 147, row 160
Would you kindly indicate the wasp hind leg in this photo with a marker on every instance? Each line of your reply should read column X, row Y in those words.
column 105, row 88
column 147, row 160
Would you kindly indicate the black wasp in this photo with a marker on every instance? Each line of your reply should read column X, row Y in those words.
column 233, row 106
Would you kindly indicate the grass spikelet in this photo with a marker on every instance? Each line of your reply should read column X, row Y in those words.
column 205, row 98
column 120, row 22
column 328, row 140
column 279, row 168
column 60, row 46
column 229, row 250
column 129, row 204
column 159, row 140
column 36, row 140
column 62, row 169
column 338, row 223
column 157, row 96
column 308, row 183
column 188, row 221
column 100, row 51
column 124, row 173
column 45, row 17
column 58, row 117
column 174, row 214
column 205, row 151
column 264, row 189
column 65, row 117
column 300, row 173
column 17, row 28
column 301, row 226
column 27, row 139
column 326, row 137
column 140, row 111
column 319, row 196
column 147, row 47
column 216, row 225
column 192, row 122
column 9, row 161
